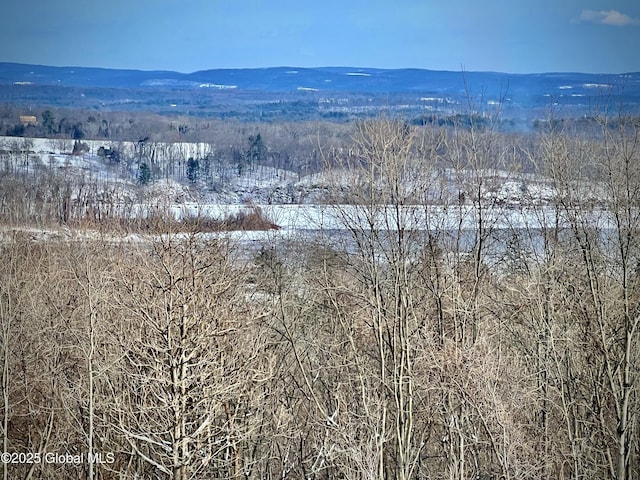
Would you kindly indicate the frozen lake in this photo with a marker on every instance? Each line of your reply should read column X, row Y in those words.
column 504, row 231
column 391, row 218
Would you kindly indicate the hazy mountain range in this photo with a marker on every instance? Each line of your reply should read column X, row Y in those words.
column 328, row 90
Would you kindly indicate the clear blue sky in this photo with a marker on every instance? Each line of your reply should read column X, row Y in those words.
column 599, row 36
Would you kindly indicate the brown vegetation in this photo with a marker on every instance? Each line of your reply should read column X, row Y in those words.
column 404, row 355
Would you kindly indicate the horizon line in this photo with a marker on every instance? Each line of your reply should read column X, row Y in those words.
column 320, row 67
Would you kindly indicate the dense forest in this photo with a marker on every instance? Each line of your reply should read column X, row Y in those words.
column 428, row 338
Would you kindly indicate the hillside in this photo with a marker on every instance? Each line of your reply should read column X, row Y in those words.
column 327, row 92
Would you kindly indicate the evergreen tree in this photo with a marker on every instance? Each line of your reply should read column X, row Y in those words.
column 193, row 169
column 256, row 152
column 144, row 175
column 48, row 122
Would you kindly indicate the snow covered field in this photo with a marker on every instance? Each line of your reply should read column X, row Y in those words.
column 292, row 201
column 407, row 217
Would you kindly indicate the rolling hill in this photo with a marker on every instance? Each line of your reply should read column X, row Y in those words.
column 329, row 91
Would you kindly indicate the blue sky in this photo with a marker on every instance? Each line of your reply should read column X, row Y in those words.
column 517, row 36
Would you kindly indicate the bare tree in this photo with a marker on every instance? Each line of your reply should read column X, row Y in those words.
column 186, row 366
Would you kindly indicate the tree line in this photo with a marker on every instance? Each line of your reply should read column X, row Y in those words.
column 389, row 351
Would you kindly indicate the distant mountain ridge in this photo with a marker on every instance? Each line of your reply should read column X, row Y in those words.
column 324, row 92
column 284, row 79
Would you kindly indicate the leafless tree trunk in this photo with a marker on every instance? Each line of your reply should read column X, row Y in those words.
column 185, row 356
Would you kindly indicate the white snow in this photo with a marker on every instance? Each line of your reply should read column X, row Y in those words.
column 218, row 86
column 293, row 218
column 507, row 196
